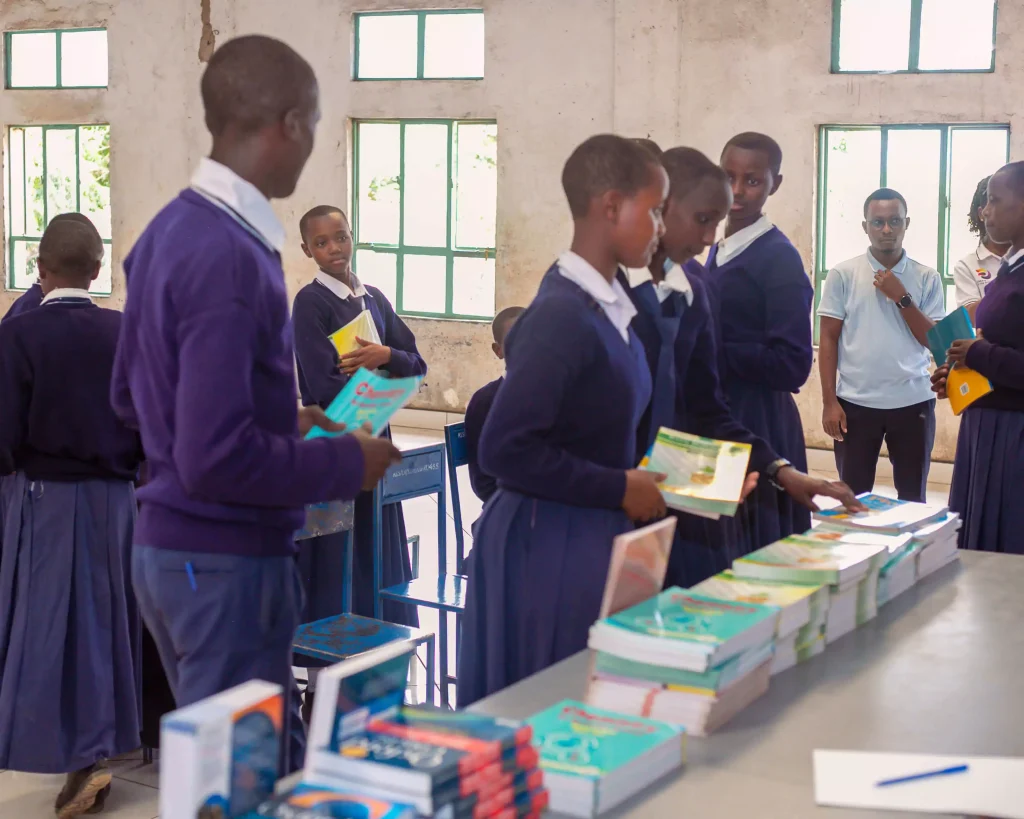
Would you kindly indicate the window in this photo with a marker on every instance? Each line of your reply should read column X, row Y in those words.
column 72, row 58
column 54, row 169
column 882, row 36
column 425, row 194
column 420, row 45
column 935, row 167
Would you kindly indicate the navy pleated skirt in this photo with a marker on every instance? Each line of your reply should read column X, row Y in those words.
column 536, row 579
column 988, row 475
column 69, row 625
column 703, row 548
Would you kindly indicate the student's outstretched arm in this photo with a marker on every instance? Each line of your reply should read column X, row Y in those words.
column 405, row 357
column 546, row 356
column 15, row 388
column 783, row 360
column 313, row 349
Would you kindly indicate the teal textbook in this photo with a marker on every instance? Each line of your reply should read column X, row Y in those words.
column 964, row 386
column 368, row 399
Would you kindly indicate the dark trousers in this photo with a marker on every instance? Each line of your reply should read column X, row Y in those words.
column 908, row 432
column 236, row 625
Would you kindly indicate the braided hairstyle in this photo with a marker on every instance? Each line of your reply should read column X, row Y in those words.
column 979, row 201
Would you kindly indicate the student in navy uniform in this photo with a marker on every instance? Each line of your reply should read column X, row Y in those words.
column 206, row 369
column 561, row 436
column 674, row 323
column 69, row 632
column 29, row 300
column 479, row 406
column 761, row 299
column 973, row 273
column 988, row 472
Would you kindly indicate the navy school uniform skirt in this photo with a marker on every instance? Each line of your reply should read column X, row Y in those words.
column 702, row 548
column 69, row 625
column 536, row 579
column 988, row 475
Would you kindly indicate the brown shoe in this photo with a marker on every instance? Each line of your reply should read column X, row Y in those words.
column 101, row 800
column 81, row 790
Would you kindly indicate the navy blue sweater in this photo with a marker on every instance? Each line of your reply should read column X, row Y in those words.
column 477, row 411
column 28, row 300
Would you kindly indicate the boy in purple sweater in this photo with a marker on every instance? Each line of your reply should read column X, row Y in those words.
column 205, row 368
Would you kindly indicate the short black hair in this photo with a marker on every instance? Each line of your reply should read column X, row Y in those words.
column 1015, row 171
column 753, row 141
column 316, row 213
column 974, row 223
column 502, row 321
column 71, row 247
column 650, row 145
column 605, row 163
column 885, row 195
column 251, row 82
column 687, row 168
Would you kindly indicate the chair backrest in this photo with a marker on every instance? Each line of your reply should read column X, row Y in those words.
column 455, row 445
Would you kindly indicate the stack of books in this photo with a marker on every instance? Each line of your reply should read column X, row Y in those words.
column 937, row 544
column 884, row 516
column 683, row 657
column 593, row 759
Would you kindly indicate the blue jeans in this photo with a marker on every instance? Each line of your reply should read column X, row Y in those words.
column 236, row 625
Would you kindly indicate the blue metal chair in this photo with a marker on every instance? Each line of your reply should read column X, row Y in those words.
column 334, row 639
column 420, row 473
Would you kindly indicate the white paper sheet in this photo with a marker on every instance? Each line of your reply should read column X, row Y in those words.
column 991, row 787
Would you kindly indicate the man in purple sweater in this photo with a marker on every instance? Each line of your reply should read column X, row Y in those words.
column 205, row 369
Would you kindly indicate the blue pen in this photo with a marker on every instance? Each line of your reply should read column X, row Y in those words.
column 926, row 775
column 191, row 575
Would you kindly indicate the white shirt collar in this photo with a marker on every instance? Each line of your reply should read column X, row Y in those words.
column 1012, row 260
column 340, row 289
column 732, row 246
column 675, row 280
column 985, row 255
column 611, row 297
column 66, row 293
column 241, row 199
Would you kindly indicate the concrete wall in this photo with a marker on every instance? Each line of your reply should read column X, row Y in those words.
column 683, row 71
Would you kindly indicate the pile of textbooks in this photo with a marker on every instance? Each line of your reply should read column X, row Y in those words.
column 594, row 759
column 682, row 657
column 937, row 544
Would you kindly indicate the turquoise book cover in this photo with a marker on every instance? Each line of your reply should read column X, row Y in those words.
column 368, row 399
column 312, row 802
column 682, row 615
column 957, row 325
column 579, row 740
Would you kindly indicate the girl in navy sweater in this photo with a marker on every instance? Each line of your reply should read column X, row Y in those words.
column 561, row 436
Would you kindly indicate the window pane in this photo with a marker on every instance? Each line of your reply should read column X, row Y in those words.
column 24, row 274
column 853, row 169
column 94, row 175
column 61, row 172
column 102, row 285
column 423, row 283
column 913, row 170
column 454, row 45
column 860, row 46
column 33, row 60
column 35, row 220
column 16, row 178
column 378, row 269
column 83, row 58
column 425, row 205
column 387, row 46
column 473, row 287
column 476, row 185
column 974, row 154
column 957, row 34
column 379, row 167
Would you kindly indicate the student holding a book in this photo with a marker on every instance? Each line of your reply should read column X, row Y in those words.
column 988, row 472
column 876, row 311
column 975, row 271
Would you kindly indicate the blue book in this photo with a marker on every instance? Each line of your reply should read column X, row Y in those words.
column 368, row 399
column 954, row 327
column 306, row 801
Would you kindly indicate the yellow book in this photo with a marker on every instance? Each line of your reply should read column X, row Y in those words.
column 964, row 386
column 362, row 326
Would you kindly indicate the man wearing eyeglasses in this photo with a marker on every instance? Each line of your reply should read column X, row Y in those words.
column 875, row 314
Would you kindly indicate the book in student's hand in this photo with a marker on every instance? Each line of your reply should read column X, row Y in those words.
column 705, row 476
column 368, row 399
column 362, row 326
column 964, row 386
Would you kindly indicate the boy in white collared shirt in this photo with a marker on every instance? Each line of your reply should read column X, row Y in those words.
column 975, row 271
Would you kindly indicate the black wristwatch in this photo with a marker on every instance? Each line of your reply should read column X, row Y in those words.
column 905, row 302
column 772, row 470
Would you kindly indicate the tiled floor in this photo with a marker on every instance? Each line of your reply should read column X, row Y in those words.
column 134, row 794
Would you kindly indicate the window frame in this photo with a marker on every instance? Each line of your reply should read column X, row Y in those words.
column 914, row 55
column 60, row 32
column 945, row 155
column 400, row 250
column 421, row 29
column 11, row 238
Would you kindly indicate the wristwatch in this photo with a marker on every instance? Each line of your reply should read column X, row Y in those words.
column 772, row 470
column 905, row 302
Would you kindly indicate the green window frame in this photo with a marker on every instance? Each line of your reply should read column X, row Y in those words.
column 947, row 209
column 450, row 252
column 60, row 34
column 421, row 29
column 916, row 7
column 22, row 234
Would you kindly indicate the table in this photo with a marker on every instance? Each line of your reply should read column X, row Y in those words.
column 941, row 669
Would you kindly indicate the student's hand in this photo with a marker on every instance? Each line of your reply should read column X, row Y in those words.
column 833, row 420
column 378, row 455
column 939, row 381
column 889, row 283
column 370, row 356
column 802, row 488
column 957, row 354
column 643, row 500
column 310, row 417
column 749, row 485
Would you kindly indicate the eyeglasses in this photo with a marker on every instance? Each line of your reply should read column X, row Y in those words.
column 895, row 222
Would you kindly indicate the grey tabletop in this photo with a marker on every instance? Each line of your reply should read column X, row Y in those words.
column 940, row 670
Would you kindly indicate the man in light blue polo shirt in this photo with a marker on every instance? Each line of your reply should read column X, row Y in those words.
column 875, row 314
